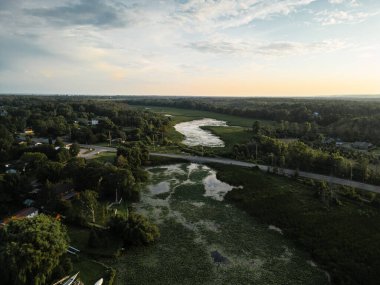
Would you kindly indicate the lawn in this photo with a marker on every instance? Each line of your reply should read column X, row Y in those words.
column 90, row 271
column 79, row 239
column 86, row 261
column 105, row 157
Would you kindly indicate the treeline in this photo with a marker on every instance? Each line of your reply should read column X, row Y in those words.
column 298, row 155
column 335, row 117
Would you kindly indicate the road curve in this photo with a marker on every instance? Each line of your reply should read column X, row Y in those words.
column 288, row 172
column 201, row 159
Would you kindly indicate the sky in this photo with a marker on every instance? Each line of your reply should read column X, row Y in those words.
column 190, row 47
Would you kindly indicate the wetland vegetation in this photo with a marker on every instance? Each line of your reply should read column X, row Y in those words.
column 205, row 240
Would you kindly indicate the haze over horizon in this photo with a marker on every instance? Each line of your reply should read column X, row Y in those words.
column 190, row 47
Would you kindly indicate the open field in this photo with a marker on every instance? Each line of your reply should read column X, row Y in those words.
column 183, row 115
column 231, row 135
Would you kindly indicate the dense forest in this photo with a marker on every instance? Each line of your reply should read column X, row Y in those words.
column 349, row 120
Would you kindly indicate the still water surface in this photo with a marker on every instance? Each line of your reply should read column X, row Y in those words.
column 195, row 136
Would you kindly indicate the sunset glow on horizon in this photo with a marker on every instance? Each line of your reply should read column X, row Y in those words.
column 190, row 47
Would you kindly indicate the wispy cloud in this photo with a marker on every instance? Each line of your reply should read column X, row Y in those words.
column 340, row 17
column 266, row 49
column 352, row 3
column 235, row 13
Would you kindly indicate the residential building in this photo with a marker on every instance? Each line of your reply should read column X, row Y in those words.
column 362, row 145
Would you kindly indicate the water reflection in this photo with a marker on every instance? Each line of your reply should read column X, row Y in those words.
column 195, row 136
column 215, row 188
column 159, row 188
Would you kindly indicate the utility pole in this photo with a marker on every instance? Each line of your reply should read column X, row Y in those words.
column 109, row 138
column 351, row 170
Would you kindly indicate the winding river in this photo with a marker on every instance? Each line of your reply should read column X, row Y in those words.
column 195, row 136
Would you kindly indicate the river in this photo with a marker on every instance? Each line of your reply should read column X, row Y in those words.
column 196, row 136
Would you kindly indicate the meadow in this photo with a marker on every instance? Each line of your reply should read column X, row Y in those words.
column 182, row 115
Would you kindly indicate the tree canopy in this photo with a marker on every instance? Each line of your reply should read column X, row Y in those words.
column 30, row 250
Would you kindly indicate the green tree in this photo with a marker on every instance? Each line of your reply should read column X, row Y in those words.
column 74, row 149
column 30, row 250
column 134, row 229
column 33, row 160
column 89, row 202
column 256, row 127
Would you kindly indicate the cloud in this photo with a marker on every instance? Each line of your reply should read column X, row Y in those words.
column 93, row 13
column 352, row 3
column 14, row 49
column 340, row 17
column 235, row 13
column 266, row 49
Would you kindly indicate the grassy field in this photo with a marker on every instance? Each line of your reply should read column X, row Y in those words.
column 183, row 115
column 105, row 157
column 231, row 135
column 344, row 238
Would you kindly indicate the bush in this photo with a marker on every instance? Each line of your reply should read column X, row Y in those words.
column 134, row 230
column 111, row 277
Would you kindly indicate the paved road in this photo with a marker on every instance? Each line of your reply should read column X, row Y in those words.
column 90, row 151
column 289, row 172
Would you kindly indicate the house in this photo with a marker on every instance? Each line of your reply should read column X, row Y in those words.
column 11, row 171
column 65, row 191
column 94, row 122
column 362, row 145
column 29, row 131
column 328, row 141
column 3, row 112
column 83, row 121
column 69, row 195
column 68, row 145
column 26, row 213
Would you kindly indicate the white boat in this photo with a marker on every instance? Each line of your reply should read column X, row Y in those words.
column 99, row 282
column 71, row 279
